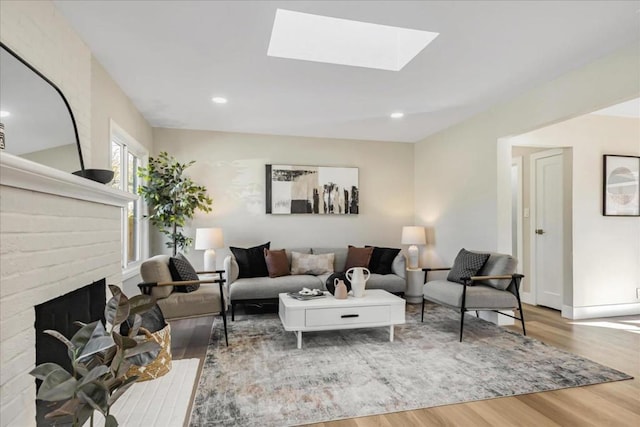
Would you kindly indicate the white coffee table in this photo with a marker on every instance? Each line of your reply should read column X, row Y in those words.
column 376, row 309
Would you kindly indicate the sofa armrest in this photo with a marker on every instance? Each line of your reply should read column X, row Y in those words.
column 399, row 265
column 232, row 271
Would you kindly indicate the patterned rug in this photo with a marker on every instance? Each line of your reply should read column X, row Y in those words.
column 261, row 379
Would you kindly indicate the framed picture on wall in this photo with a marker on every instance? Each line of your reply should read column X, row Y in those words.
column 320, row 190
column 621, row 185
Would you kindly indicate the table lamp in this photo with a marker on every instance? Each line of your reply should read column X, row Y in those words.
column 413, row 236
column 208, row 239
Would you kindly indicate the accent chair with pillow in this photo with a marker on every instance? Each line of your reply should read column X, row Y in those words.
column 179, row 290
column 479, row 282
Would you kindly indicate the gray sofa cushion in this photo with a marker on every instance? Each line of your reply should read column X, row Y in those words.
column 388, row 282
column 496, row 265
column 341, row 256
column 478, row 297
column 266, row 287
column 399, row 266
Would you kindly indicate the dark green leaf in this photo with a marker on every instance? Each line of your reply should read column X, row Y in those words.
column 110, row 421
column 41, row 371
column 69, row 408
column 141, row 303
column 96, row 345
column 62, row 338
column 143, row 354
column 96, row 395
column 85, row 333
column 58, row 385
column 94, row 374
column 117, row 309
column 121, row 389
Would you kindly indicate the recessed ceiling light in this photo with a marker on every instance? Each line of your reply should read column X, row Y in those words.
column 4, row 114
column 397, row 115
column 318, row 38
column 219, row 100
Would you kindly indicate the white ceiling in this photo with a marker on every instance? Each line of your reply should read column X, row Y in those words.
column 171, row 57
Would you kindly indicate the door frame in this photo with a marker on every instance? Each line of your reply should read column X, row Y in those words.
column 517, row 162
column 533, row 219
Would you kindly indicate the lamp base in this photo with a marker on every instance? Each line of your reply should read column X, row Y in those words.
column 414, row 254
column 210, row 260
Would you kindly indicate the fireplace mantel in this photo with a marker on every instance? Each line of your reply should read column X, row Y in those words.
column 21, row 173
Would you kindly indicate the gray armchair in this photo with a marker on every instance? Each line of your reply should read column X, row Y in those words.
column 208, row 299
column 494, row 287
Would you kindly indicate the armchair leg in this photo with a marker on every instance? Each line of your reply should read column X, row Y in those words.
column 524, row 331
column 422, row 319
column 233, row 311
column 461, row 322
column 224, row 320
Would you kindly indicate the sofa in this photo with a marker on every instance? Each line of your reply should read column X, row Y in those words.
column 258, row 290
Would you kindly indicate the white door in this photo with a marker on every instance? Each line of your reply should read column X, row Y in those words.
column 548, row 232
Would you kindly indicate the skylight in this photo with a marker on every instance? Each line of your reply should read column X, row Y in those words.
column 318, row 38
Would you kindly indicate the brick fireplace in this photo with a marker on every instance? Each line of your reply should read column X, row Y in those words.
column 58, row 232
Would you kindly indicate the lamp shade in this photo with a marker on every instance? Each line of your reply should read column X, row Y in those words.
column 209, row 238
column 412, row 235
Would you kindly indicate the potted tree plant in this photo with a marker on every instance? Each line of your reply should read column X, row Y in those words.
column 172, row 197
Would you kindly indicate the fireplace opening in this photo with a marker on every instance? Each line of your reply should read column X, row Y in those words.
column 85, row 304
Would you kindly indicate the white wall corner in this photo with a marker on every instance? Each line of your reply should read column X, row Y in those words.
column 528, row 298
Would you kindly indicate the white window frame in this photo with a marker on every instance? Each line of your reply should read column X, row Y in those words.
column 130, row 145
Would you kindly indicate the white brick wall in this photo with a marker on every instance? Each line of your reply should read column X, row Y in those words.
column 50, row 245
column 37, row 32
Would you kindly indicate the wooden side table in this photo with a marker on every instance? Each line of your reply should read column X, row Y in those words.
column 415, row 282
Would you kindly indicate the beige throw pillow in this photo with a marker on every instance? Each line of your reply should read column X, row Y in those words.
column 311, row 264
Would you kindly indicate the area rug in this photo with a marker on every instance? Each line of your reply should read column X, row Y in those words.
column 163, row 402
column 261, row 379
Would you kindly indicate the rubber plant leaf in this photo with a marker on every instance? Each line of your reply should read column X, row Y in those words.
column 141, row 303
column 110, row 421
column 88, row 331
column 117, row 309
column 61, row 338
column 41, row 371
column 58, row 385
column 96, row 345
column 96, row 396
column 94, row 374
column 122, row 389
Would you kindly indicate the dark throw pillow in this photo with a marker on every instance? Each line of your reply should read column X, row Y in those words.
column 467, row 264
column 251, row 261
column 181, row 269
column 382, row 260
column 277, row 262
column 330, row 282
column 358, row 257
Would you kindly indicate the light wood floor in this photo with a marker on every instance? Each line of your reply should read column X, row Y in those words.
column 614, row 342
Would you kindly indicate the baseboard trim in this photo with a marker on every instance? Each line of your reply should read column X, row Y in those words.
column 591, row 312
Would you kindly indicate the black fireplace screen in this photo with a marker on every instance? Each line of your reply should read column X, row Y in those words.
column 85, row 304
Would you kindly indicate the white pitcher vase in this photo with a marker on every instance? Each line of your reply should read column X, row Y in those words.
column 358, row 277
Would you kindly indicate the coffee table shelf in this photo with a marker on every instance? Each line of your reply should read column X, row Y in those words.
column 378, row 308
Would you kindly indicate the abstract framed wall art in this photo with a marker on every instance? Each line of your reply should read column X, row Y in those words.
column 320, row 190
column 621, row 185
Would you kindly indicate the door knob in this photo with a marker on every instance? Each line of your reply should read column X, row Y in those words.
column 539, row 231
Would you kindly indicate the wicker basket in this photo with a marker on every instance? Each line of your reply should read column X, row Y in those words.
column 162, row 364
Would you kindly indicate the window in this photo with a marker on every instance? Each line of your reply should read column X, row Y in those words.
column 127, row 155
